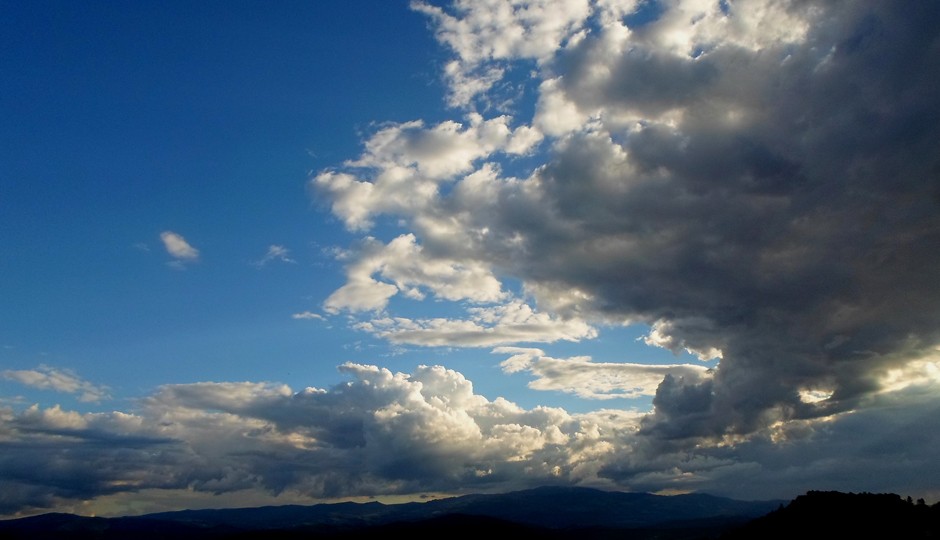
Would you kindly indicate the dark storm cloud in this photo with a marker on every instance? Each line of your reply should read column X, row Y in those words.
column 50, row 455
column 887, row 447
column 779, row 204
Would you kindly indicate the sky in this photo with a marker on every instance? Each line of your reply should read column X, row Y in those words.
column 293, row 252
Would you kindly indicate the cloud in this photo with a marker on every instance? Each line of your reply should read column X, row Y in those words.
column 483, row 33
column 515, row 322
column 591, row 380
column 308, row 315
column 712, row 172
column 379, row 433
column 403, row 165
column 412, row 272
column 178, row 248
column 883, row 447
column 384, row 433
column 275, row 253
column 446, row 149
column 49, row 378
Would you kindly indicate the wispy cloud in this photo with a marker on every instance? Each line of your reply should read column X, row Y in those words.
column 308, row 315
column 595, row 380
column 178, row 247
column 514, row 322
column 59, row 380
column 275, row 253
column 411, row 160
column 484, row 36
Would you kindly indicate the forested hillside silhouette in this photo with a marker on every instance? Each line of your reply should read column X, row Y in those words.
column 832, row 514
column 546, row 513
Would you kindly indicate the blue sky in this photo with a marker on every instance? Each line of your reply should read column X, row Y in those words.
column 656, row 246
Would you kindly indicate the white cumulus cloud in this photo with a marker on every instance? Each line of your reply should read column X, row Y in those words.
column 178, row 247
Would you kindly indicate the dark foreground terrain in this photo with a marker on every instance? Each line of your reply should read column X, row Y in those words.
column 546, row 513
column 830, row 514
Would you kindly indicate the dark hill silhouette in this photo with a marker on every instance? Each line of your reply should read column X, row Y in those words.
column 545, row 513
column 550, row 507
column 831, row 514
column 551, row 512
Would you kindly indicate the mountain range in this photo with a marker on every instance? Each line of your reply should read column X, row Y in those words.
column 552, row 511
column 549, row 513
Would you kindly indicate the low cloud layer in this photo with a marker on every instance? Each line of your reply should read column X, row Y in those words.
column 379, row 433
column 382, row 433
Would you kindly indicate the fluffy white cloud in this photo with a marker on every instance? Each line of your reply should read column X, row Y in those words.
column 178, row 247
column 481, row 32
column 49, row 378
column 592, row 380
column 502, row 30
column 405, row 163
column 411, row 271
column 379, row 433
column 555, row 114
column 446, row 149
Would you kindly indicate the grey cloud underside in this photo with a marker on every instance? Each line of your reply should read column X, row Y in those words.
column 384, row 433
column 380, row 433
column 889, row 446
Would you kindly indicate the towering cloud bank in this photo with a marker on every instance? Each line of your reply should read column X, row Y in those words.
column 758, row 181
column 379, row 433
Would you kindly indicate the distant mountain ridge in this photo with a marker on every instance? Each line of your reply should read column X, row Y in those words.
column 544, row 509
column 552, row 507
column 549, row 513
column 825, row 515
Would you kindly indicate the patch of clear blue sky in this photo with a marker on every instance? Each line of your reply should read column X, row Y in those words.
column 123, row 120
column 646, row 12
